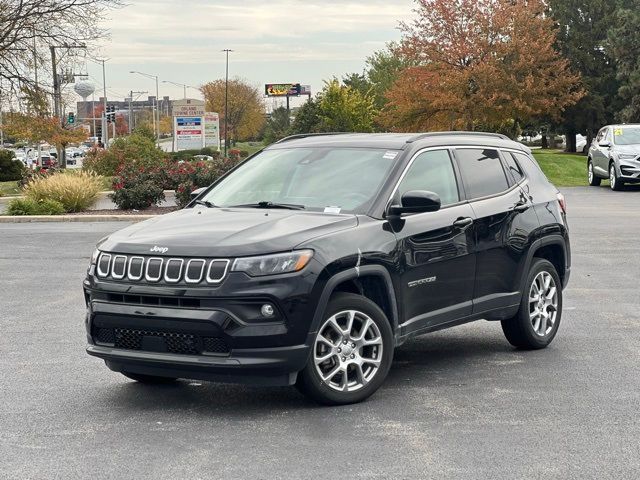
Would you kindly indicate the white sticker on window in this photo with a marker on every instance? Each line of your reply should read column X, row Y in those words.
column 332, row 209
column 390, row 155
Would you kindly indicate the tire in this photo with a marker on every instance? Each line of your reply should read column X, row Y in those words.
column 594, row 180
column 335, row 342
column 149, row 379
column 526, row 331
column 614, row 181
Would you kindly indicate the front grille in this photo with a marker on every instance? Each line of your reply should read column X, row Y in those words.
column 184, row 302
column 192, row 271
column 160, row 341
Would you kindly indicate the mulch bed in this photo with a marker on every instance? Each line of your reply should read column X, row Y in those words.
column 148, row 211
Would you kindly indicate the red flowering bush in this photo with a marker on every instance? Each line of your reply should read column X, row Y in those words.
column 185, row 177
column 137, row 187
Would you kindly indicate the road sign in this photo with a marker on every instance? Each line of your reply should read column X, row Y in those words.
column 189, row 132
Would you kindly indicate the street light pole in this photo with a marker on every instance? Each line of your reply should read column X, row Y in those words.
column 105, row 130
column 157, row 112
column 226, row 102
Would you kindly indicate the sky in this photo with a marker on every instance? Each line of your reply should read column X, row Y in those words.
column 273, row 41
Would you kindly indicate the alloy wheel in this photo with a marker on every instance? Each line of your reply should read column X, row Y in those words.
column 590, row 172
column 612, row 176
column 543, row 303
column 348, row 351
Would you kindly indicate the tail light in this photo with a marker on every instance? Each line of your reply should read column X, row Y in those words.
column 562, row 202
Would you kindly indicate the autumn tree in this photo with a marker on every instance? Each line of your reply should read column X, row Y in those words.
column 245, row 109
column 38, row 129
column 479, row 64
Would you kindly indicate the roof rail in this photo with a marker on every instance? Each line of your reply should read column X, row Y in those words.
column 461, row 133
column 305, row 135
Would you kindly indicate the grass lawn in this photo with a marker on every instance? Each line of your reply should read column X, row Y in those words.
column 563, row 169
column 9, row 188
column 251, row 147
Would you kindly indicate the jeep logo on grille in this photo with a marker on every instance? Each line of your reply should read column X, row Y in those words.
column 157, row 249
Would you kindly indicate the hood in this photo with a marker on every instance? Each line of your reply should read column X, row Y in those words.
column 631, row 149
column 225, row 232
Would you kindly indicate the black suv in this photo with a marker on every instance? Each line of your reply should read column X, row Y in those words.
column 310, row 262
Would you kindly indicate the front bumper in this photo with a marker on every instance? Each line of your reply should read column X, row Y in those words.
column 264, row 366
column 163, row 330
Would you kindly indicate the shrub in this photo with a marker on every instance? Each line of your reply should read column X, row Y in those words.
column 189, row 154
column 29, row 175
column 28, row 206
column 10, row 168
column 187, row 176
column 137, row 187
column 135, row 149
column 75, row 191
column 244, row 153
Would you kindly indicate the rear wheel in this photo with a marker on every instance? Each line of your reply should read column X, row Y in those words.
column 614, row 180
column 536, row 323
column 148, row 379
column 593, row 180
column 351, row 354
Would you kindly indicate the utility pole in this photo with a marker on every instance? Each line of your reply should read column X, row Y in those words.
column 57, row 96
column 130, row 108
column 105, row 130
column 226, row 103
column 156, row 117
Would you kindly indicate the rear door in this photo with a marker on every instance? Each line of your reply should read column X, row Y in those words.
column 504, row 220
column 436, row 248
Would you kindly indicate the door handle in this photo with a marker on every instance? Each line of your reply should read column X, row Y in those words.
column 463, row 222
column 521, row 207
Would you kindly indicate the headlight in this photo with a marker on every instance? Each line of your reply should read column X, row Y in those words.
column 94, row 256
column 627, row 156
column 273, row 264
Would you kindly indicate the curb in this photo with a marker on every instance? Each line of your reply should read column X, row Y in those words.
column 74, row 218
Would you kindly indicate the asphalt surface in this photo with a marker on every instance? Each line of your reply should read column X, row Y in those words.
column 460, row 403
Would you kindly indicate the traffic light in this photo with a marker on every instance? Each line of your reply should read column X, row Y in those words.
column 111, row 113
column 71, row 118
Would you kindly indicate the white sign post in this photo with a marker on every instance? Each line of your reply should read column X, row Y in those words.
column 189, row 133
column 212, row 130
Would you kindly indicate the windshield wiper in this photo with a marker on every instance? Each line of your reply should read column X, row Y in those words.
column 285, row 206
column 206, row 203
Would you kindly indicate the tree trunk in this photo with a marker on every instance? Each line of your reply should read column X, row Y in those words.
column 545, row 141
column 570, row 140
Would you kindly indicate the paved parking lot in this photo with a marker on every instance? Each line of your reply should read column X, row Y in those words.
column 460, row 403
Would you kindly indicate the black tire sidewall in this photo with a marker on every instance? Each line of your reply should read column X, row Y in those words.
column 539, row 265
column 309, row 380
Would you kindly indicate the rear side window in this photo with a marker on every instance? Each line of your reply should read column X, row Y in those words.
column 482, row 172
column 514, row 168
column 531, row 167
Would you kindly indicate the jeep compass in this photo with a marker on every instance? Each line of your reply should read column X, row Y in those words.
column 310, row 262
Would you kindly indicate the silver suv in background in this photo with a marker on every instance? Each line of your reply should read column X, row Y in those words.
column 615, row 154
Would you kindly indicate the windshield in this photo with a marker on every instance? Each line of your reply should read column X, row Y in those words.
column 318, row 179
column 626, row 135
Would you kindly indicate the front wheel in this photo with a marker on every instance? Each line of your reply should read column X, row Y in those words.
column 536, row 323
column 614, row 181
column 351, row 353
column 593, row 180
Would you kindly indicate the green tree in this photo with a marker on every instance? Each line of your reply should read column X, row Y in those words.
column 624, row 39
column 343, row 109
column 383, row 70
column 582, row 39
column 306, row 118
column 277, row 126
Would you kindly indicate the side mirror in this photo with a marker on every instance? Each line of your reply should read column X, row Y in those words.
column 416, row 201
column 196, row 193
column 605, row 144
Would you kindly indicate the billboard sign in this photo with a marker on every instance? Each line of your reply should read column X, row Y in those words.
column 212, row 130
column 282, row 89
column 189, row 133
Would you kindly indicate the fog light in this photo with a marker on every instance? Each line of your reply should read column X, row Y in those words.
column 267, row 310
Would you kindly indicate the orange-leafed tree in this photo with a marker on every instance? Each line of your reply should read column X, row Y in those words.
column 38, row 129
column 487, row 64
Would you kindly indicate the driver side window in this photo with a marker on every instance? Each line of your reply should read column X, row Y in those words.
column 432, row 171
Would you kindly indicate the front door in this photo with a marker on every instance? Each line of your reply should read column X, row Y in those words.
column 438, row 264
column 600, row 155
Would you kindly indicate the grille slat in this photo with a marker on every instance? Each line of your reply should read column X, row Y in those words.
column 159, row 340
column 192, row 271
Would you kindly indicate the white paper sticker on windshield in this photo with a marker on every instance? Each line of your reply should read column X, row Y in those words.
column 332, row 209
column 390, row 155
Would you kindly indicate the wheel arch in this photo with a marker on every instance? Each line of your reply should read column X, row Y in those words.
column 371, row 281
column 552, row 248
